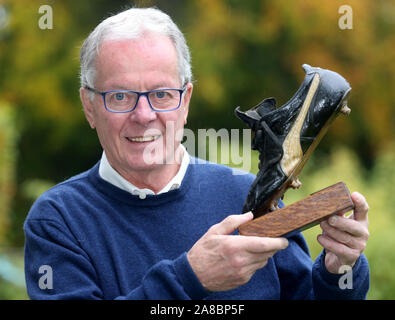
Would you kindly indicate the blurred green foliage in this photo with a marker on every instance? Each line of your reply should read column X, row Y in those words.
column 8, row 156
column 242, row 52
column 12, row 277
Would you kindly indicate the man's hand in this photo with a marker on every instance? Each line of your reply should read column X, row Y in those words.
column 345, row 238
column 223, row 261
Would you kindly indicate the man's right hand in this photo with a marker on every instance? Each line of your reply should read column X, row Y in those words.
column 223, row 261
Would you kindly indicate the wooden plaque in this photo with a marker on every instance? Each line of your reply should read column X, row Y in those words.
column 301, row 215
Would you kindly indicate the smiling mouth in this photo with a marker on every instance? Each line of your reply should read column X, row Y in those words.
column 143, row 139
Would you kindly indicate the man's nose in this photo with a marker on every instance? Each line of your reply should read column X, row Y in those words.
column 143, row 112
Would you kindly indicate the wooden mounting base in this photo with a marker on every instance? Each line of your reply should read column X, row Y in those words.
column 301, row 215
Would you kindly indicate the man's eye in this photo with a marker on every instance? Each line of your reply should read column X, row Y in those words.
column 119, row 96
column 160, row 94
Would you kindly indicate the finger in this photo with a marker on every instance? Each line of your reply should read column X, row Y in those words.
column 262, row 257
column 340, row 236
column 250, row 245
column 257, row 265
column 345, row 254
column 254, row 266
column 249, row 260
column 230, row 223
column 361, row 206
column 261, row 244
column 355, row 228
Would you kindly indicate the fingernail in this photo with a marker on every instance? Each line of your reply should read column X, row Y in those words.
column 249, row 214
column 332, row 220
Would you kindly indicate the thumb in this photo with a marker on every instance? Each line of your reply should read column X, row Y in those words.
column 231, row 223
column 361, row 206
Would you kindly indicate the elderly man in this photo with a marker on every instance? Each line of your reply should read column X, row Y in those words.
column 148, row 221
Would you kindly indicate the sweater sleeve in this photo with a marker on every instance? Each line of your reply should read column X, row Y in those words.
column 56, row 267
column 353, row 284
column 70, row 274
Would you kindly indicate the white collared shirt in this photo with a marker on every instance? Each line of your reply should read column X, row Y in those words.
column 109, row 174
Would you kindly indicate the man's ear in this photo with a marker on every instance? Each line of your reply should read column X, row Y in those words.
column 186, row 100
column 88, row 106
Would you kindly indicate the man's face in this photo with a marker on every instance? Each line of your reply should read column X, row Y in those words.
column 140, row 65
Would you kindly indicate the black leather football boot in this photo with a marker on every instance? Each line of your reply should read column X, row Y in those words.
column 285, row 137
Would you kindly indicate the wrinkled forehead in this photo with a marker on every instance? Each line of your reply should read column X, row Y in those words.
column 145, row 54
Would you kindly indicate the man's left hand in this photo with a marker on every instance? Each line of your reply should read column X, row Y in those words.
column 344, row 238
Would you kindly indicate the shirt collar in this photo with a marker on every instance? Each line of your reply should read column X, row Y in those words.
column 108, row 173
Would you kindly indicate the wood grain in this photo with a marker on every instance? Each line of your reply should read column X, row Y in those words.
column 302, row 214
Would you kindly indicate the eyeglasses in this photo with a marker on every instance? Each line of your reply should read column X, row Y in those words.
column 122, row 101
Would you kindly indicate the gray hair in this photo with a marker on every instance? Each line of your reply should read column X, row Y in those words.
column 131, row 24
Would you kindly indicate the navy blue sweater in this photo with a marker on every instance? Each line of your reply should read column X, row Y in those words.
column 101, row 242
